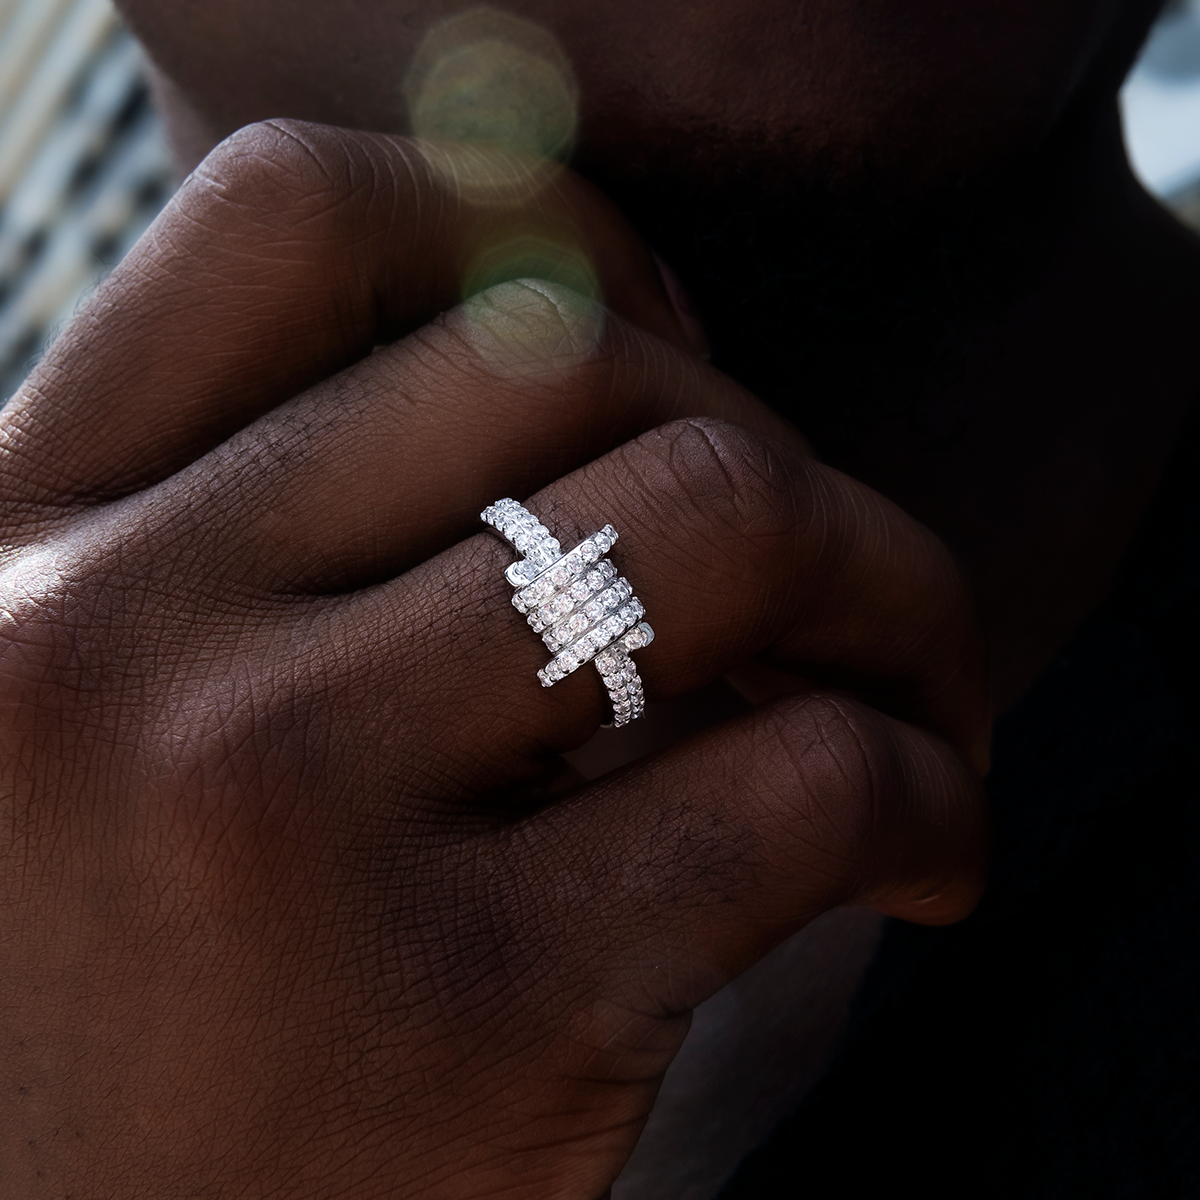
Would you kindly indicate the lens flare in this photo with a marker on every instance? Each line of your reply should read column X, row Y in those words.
column 529, row 328
column 494, row 105
column 497, row 97
column 532, row 255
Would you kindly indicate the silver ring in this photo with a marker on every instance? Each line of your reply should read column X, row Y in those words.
column 583, row 609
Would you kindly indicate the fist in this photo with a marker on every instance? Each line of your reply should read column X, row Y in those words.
column 298, row 896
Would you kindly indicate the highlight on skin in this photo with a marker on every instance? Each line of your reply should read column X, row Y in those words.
column 526, row 328
column 494, row 102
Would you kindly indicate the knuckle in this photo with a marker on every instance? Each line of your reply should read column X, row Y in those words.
column 279, row 173
column 528, row 328
column 832, row 772
column 870, row 802
column 733, row 477
column 726, row 494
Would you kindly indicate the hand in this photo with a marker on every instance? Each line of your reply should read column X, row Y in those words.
column 297, row 899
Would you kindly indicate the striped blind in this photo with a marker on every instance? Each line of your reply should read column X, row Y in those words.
column 84, row 165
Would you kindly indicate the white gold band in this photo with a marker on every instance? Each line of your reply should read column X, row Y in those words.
column 584, row 611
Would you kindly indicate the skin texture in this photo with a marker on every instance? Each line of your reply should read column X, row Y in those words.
column 288, row 909
column 893, row 110
column 300, row 899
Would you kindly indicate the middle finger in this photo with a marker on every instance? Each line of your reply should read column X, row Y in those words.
column 391, row 461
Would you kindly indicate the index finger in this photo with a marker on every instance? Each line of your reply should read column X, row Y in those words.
column 290, row 253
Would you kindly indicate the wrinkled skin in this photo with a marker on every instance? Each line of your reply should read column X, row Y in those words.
column 800, row 134
column 299, row 898
column 281, row 874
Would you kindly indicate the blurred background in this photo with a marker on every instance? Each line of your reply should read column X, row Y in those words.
column 1160, row 104
column 84, row 166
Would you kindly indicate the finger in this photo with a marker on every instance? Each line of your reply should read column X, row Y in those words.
column 670, row 878
column 738, row 545
column 735, row 545
column 393, row 459
column 291, row 252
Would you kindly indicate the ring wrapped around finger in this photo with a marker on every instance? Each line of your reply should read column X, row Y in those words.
column 583, row 609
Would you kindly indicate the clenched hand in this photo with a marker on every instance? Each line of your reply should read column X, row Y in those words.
column 297, row 897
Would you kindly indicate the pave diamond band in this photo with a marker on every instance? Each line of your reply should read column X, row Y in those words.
column 583, row 609
column 527, row 535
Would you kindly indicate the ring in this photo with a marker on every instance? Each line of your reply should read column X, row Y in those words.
column 583, row 609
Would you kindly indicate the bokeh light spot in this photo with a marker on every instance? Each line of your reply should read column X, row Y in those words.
column 490, row 82
column 532, row 255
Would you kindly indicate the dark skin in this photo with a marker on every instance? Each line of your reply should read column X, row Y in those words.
column 309, row 818
column 914, row 98
column 299, row 900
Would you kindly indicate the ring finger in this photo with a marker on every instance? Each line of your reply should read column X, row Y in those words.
column 735, row 545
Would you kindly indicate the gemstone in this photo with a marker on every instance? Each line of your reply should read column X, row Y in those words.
column 638, row 637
